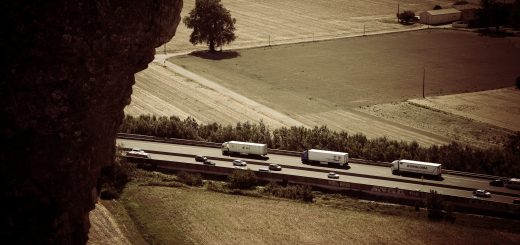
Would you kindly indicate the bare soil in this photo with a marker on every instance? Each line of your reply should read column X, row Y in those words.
column 104, row 229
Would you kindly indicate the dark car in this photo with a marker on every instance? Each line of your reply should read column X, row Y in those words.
column 208, row 162
column 497, row 182
column 200, row 158
column 275, row 167
column 516, row 201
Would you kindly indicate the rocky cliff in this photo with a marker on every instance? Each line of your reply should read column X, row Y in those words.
column 67, row 75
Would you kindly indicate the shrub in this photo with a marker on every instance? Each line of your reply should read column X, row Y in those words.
column 406, row 16
column 242, row 179
column 297, row 192
column 217, row 187
column 109, row 192
column 437, row 7
column 434, row 204
column 189, row 179
column 113, row 178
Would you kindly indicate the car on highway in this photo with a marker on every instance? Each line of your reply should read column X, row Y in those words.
column 497, row 182
column 275, row 167
column 208, row 162
column 481, row 193
column 333, row 175
column 136, row 152
column 239, row 163
column 264, row 170
column 516, row 201
column 199, row 158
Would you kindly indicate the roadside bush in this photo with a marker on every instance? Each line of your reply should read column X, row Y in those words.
column 297, row 192
column 434, row 204
column 189, row 179
column 217, row 187
column 242, row 179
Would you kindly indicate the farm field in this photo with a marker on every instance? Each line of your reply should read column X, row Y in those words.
column 276, row 86
column 499, row 107
column 346, row 73
column 284, row 78
column 169, row 215
column 481, row 119
column 286, row 21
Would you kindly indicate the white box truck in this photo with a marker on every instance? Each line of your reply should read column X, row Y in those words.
column 324, row 157
column 417, row 167
column 239, row 147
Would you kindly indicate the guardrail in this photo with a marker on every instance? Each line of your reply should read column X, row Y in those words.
column 287, row 153
column 392, row 194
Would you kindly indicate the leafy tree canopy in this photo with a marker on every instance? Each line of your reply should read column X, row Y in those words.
column 211, row 23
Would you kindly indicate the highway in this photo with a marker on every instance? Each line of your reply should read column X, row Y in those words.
column 357, row 173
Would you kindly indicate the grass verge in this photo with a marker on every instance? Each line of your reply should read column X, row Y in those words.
column 209, row 215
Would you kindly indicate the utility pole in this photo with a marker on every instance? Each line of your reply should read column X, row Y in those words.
column 423, row 78
column 397, row 14
column 269, row 40
column 363, row 29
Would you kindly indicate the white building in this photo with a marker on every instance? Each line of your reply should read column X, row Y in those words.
column 440, row 16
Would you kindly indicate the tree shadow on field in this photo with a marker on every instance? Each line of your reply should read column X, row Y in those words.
column 216, row 55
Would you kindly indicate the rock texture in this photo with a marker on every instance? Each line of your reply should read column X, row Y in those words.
column 68, row 70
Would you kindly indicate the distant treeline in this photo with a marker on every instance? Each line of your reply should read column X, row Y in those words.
column 501, row 160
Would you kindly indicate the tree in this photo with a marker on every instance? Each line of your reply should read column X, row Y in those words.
column 514, row 16
column 406, row 16
column 437, row 7
column 493, row 13
column 211, row 23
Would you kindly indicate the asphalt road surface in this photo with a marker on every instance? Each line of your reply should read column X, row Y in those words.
column 357, row 173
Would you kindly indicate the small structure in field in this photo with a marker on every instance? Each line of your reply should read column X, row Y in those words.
column 468, row 12
column 440, row 16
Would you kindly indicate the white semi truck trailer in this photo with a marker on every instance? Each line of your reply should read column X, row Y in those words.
column 324, row 157
column 239, row 147
column 417, row 167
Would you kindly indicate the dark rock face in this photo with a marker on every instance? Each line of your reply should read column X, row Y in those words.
column 68, row 70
